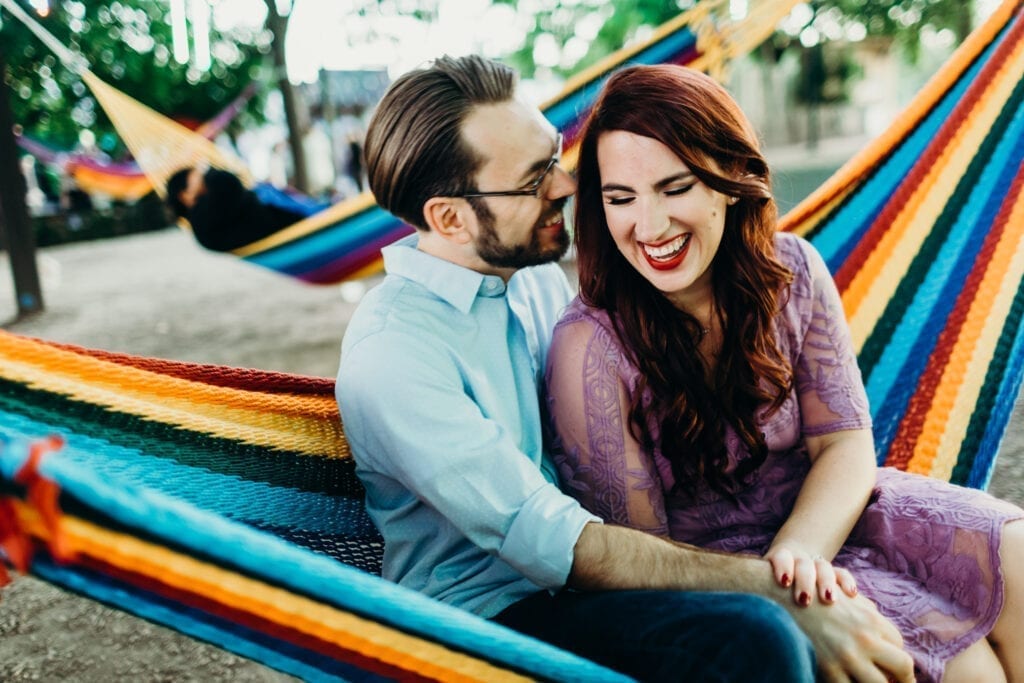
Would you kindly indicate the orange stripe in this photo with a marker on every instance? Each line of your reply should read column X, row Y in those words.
column 963, row 375
column 303, row 423
column 303, row 615
column 939, row 85
column 865, row 297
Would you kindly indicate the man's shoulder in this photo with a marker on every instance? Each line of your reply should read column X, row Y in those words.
column 393, row 304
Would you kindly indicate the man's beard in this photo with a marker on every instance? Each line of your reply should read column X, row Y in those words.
column 492, row 251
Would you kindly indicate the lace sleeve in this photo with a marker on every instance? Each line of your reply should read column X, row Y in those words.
column 828, row 380
column 599, row 461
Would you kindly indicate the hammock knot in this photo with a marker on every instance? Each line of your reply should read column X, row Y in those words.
column 42, row 495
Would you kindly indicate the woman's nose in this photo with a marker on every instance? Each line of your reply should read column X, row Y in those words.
column 652, row 221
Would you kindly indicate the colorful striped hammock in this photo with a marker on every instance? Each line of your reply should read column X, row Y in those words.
column 122, row 180
column 222, row 501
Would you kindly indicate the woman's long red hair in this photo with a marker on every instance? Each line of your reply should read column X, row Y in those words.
column 698, row 120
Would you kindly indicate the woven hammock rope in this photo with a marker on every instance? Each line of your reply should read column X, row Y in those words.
column 223, row 502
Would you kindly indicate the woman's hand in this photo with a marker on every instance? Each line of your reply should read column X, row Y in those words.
column 809, row 575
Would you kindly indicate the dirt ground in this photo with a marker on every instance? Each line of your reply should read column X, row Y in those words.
column 160, row 295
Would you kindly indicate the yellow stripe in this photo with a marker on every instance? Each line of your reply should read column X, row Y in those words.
column 875, row 284
column 329, row 216
column 812, row 220
column 963, row 376
column 306, row 424
column 936, row 88
column 300, row 614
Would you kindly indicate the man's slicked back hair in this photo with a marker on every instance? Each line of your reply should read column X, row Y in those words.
column 414, row 146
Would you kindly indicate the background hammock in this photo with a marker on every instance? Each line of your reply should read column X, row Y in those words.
column 122, row 180
column 223, row 502
column 344, row 241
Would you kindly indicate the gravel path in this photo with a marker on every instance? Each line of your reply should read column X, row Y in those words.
column 160, row 295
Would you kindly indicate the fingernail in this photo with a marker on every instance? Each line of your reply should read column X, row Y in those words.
column 854, row 590
column 828, row 595
column 805, row 599
column 785, row 580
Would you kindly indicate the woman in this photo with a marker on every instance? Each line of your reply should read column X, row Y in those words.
column 703, row 387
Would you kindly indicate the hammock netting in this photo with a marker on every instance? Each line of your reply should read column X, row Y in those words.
column 223, row 502
column 122, row 180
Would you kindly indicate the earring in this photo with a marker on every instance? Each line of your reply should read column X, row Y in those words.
column 732, row 200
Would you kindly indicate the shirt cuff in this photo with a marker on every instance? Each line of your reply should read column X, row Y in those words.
column 543, row 535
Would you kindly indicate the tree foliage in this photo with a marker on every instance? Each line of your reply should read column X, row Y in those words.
column 127, row 43
column 570, row 35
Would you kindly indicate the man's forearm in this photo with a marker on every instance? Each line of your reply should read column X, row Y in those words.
column 608, row 557
column 851, row 639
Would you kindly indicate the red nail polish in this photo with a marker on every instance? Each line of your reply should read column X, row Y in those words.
column 805, row 599
column 785, row 580
column 828, row 595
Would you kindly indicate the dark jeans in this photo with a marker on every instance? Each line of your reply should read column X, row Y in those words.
column 671, row 635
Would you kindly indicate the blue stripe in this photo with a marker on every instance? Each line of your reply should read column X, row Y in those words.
column 845, row 229
column 894, row 378
column 1002, row 409
column 278, row 654
column 282, row 563
column 230, row 496
column 327, row 244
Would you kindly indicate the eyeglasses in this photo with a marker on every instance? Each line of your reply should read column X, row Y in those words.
column 534, row 188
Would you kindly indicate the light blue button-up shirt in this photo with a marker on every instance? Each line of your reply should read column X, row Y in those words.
column 438, row 391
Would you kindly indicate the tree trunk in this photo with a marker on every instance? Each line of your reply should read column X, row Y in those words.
column 965, row 21
column 294, row 112
column 15, row 223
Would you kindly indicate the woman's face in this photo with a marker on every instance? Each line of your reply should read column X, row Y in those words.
column 665, row 221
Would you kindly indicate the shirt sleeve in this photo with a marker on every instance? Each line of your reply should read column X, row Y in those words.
column 599, row 460
column 828, row 381
column 411, row 419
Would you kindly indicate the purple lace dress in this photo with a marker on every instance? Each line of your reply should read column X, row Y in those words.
column 925, row 551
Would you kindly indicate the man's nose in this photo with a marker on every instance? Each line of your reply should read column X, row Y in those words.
column 562, row 183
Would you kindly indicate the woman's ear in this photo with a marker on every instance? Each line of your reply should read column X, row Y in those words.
column 445, row 216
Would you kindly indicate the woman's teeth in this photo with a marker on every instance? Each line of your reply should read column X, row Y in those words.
column 669, row 249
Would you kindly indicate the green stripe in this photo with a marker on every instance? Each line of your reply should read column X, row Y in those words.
column 277, row 467
column 989, row 391
column 896, row 308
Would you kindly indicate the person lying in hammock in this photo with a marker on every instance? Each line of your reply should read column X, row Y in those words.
column 224, row 215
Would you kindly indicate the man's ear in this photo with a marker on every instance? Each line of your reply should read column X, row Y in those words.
column 446, row 216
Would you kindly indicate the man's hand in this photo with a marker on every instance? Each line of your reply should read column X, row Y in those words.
column 853, row 642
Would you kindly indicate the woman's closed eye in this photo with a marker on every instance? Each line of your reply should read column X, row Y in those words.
column 682, row 189
column 618, row 200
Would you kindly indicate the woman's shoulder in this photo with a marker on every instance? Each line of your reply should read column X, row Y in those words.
column 578, row 311
column 792, row 250
column 800, row 257
column 581, row 322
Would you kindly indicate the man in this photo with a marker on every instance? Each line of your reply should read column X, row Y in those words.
column 223, row 214
column 438, row 390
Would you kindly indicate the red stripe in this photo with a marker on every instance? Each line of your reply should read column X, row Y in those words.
column 911, row 426
column 895, row 204
column 270, row 628
column 265, row 381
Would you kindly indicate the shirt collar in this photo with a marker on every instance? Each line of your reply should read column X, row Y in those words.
column 453, row 283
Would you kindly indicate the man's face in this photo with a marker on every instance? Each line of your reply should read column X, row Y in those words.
column 516, row 145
